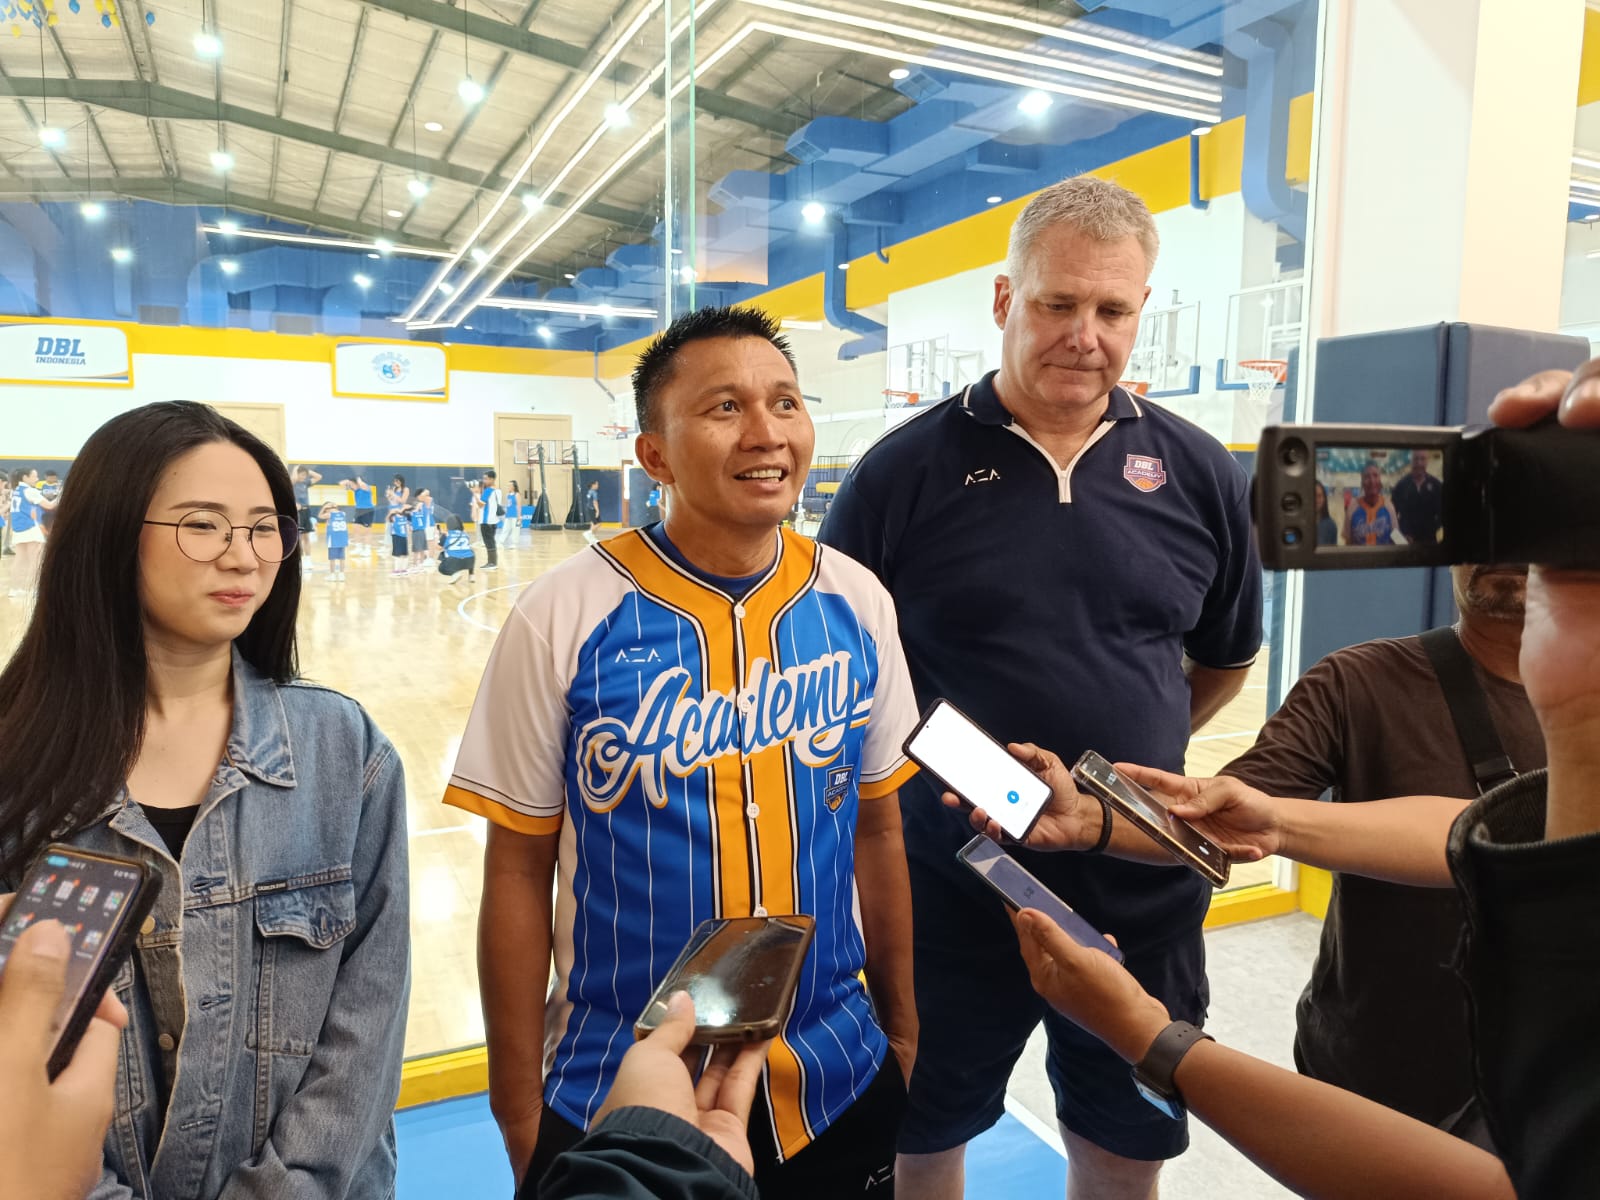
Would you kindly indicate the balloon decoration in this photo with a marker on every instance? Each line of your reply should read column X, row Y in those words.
column 19, row 14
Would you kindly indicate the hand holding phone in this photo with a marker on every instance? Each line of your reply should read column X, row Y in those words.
column 100, row 900
column 51, row 1132
column 1180, row 839
column 949, row 745
column 741, row 974
column 1020, row 889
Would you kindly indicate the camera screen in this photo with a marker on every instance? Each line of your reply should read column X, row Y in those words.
column 1379, row 496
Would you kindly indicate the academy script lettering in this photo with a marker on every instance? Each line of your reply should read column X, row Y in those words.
column 810, row 706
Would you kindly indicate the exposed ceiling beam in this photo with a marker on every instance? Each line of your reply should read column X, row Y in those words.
column 157, row 100
column 72, row 73
column 344, row 99
column 33, row 126
column 283, row 79
column 166, row 150
column 406, row 109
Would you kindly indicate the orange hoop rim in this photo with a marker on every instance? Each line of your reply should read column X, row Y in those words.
column 1279, row 367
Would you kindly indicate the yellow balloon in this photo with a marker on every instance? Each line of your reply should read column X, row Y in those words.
column 16, row 31
column 52, row 20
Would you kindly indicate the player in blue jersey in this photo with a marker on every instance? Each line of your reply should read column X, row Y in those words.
column 421, row 519
column 456, row 553
column 696, row 720
column 1370, row 519
column 399, row 538
column 338, row 538
column 652, row 504
column 364, row 496
column 487, row 511
column 28, row 506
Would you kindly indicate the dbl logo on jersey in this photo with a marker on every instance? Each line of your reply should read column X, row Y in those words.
column 839, row 779
column 810, row 707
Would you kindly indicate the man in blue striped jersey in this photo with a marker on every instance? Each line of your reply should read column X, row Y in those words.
column 700, row 719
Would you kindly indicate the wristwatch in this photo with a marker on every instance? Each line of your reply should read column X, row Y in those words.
column 1152, row 1075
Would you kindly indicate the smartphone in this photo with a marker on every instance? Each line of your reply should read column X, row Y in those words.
column 951, row 746
column 1020, row 888
column 741, row 973
column 1181, row 840
column 1341, row 496
column 102, row 900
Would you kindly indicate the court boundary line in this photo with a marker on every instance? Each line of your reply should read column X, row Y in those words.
column 461, row 609
column 1029, row 1121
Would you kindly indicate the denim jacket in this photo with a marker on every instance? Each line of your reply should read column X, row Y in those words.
column 269, row 994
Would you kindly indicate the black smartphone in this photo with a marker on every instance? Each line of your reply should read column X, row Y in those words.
column 101, row 900
column 1332, row 496
column 952, row 746
column 1020, row 889
column 741, row 973
column 1182, row 840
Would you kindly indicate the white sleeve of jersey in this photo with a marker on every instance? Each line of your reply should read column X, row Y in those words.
column 884, row 764
column 512, row 763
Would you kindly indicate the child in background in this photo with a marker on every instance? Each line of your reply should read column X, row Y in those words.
column 457, row 554
column 399, row 537
column 421, row 518
column 338, row 538
column 365, row 497
column 513, row 521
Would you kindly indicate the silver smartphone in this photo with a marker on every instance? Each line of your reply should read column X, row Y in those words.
column 1182, row 840
column 1020, row 888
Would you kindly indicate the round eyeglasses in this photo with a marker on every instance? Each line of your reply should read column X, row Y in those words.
column 205, row 536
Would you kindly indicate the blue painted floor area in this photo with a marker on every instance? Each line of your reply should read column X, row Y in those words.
column 453, row 1149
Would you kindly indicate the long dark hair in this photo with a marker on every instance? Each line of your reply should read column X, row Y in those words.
column 73, row 696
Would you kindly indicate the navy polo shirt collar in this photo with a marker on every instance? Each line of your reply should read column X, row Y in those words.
column 982, row 403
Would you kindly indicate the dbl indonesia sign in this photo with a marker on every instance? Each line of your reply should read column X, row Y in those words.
column 34, row 352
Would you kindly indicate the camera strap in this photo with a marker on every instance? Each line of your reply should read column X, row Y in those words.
column 1469, row 709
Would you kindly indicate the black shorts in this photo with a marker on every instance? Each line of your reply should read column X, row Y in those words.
column 852, row 1157
column 977, row 1008
column 364, row 517
column 399, row 545
column 308, row 519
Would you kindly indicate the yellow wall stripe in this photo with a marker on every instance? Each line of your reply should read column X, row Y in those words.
column 1589, row 68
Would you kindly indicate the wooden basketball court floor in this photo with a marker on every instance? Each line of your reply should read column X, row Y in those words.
column 411, row 649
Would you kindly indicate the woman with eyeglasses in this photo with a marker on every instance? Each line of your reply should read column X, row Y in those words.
column 154, row 709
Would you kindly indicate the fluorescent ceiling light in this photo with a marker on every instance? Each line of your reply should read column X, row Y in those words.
column 569, row 276
column 417, row 188
column 813, row 213
column 566, row 306
column 1585, row 185
column 372, row 254
column 308, row 239
column 227, row 266
column 470, row 91
column 1582, row 160
column 361, row 280
column 52, row 137
column 221, row 160
column 1035, row 103
column 92, row 210
column 992, row 200
column 121, row 254
column 617, row 116
column 1145, row 81
column 433, row 127
column 207, row 45
column 1073, row 31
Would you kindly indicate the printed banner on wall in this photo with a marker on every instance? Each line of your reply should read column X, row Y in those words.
column 389, row 370
column 57, row 352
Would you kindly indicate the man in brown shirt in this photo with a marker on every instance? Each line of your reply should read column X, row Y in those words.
column 1384, row 1014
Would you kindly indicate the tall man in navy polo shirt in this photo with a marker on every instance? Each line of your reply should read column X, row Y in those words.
column 1072, row 567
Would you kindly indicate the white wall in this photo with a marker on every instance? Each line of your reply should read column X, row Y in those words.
column 53, row 422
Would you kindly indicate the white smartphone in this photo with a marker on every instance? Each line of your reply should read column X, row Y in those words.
column 950, row 745
column 1020, row 889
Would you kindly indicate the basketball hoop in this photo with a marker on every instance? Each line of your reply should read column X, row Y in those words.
column 1263, row 376
column 614, row 431
column 897, row 399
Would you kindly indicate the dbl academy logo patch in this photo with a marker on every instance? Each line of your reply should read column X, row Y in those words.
column 838, row 786
column 1144, row 473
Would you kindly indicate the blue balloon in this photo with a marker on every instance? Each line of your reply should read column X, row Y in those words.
column 149, row 18
column 106, row 20
column 74, row 5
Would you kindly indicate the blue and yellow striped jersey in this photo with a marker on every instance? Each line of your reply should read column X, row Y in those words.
column 699, row 756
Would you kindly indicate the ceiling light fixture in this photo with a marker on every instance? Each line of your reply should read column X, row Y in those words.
column 361, row 280
column 394, row 214
column 433, row 127
column 121, row 254
column 813, row 213
column 479, row 254
column 417, row 188
column 1035, row 103
column 207, row 44
column 531, row 201
column 1594, row 216
column 617, row 116
column 567, row 306
column 686, row 275
column 447, row 289
column 569, row 276
column 92, row 210
column 227, row 266
column 221, row 160
column 470, row 91
column 844, row 266
column 544, row 332
column 1581, row 160
column 372, row 254
column 991, row 200
column 233, row 228
column 51, row 137
column 1200, row 131
column 900, row 73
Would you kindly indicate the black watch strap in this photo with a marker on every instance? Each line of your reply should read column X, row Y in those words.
column 1105, row 829
column 1160, row 1062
